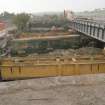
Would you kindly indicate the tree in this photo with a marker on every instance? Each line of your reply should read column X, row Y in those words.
column 21, row 20
column 6, row 16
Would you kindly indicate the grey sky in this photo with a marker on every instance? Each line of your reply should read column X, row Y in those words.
column 49, row 5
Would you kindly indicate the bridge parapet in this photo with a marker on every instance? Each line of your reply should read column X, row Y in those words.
column 95, row 29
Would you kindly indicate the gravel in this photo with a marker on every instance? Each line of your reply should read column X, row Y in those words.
column 73, row 90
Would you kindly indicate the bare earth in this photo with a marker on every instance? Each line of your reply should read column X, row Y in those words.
column 78, row 90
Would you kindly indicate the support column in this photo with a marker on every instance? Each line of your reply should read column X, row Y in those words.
column 96, row 31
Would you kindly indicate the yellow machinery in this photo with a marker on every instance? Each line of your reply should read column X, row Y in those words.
column 22, row 68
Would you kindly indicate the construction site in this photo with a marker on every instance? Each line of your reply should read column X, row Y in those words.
column 52, row 59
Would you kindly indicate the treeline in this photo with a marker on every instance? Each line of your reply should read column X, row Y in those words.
column 25, row 21
column 48, row 21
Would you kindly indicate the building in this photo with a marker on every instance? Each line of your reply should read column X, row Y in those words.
column 2, row 25
column 69, row 14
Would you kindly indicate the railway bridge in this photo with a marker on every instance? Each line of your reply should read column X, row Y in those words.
column 91, row 28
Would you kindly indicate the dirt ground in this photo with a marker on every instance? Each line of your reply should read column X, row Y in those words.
column 77, row 90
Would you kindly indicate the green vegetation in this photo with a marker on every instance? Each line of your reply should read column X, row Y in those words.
column 48, row 21
column 21, row 20
column 6, row 16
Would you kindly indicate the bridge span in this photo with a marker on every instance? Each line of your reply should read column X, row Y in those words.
column 94, row 29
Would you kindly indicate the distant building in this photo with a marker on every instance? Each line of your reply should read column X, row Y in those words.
column 69, row 14
column 3, row 33
column 2, row 25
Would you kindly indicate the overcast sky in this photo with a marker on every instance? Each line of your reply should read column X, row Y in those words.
column 49, row 5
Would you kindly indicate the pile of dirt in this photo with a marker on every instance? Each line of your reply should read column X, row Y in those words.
column 88, row 51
